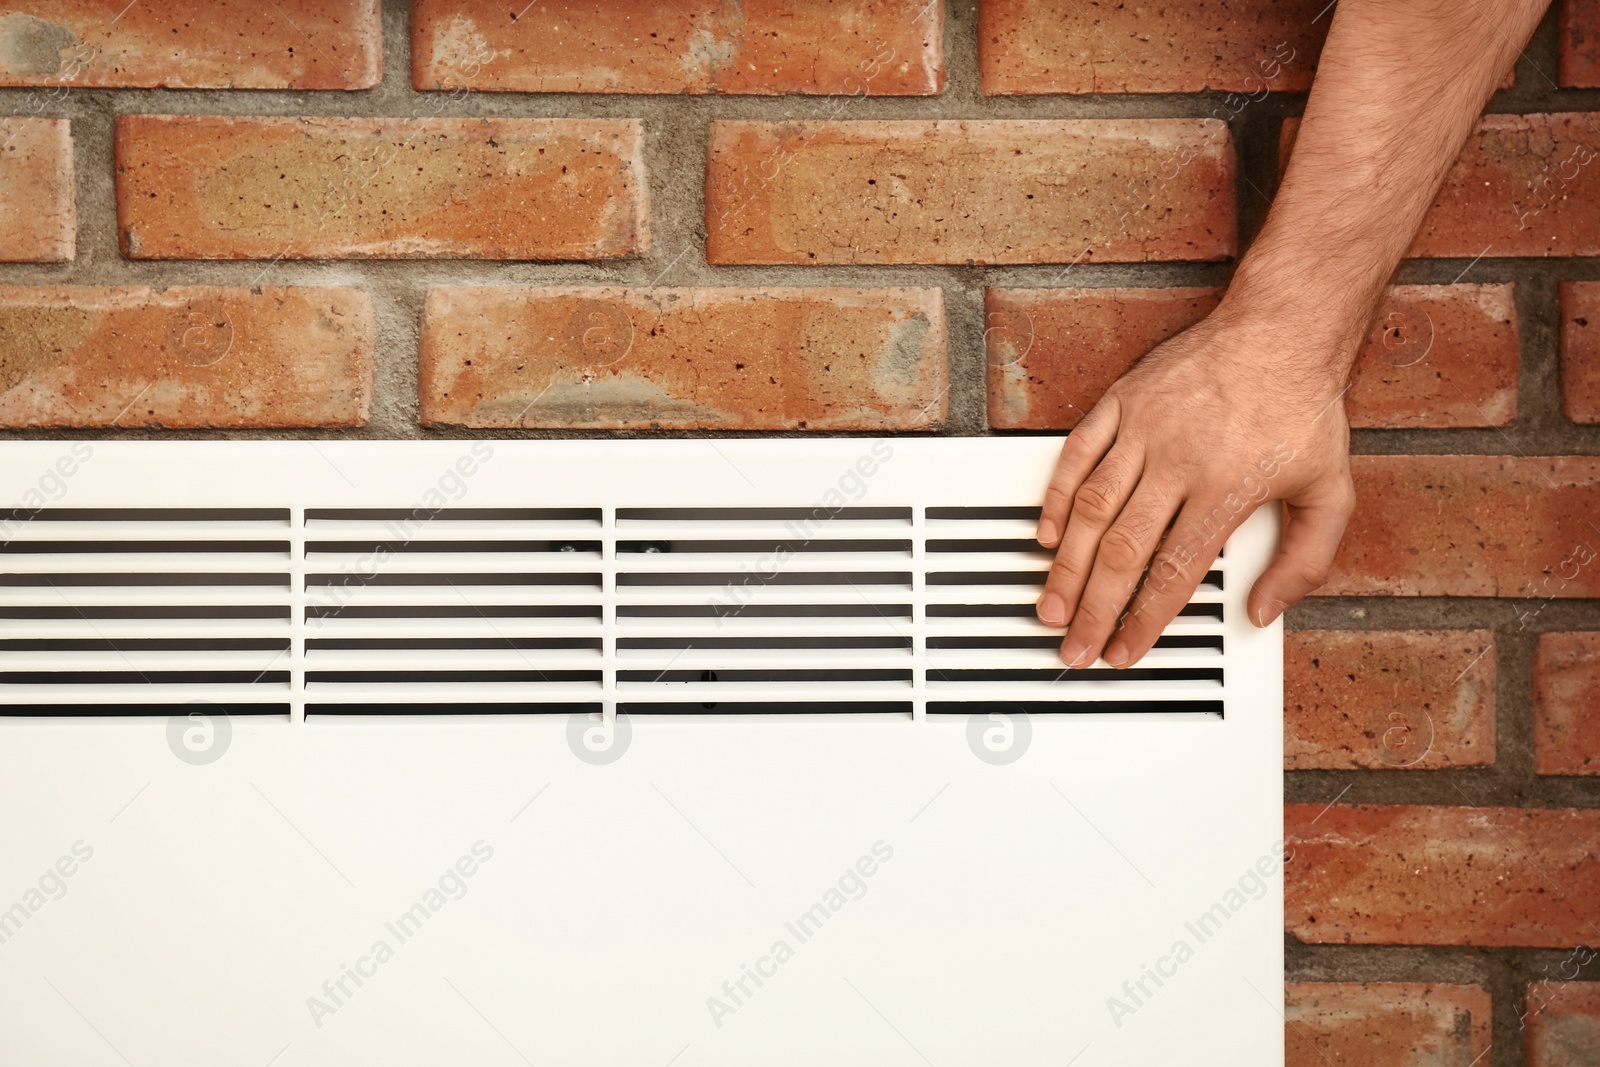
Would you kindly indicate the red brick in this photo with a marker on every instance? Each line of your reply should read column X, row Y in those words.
column 739, row 359
column 1415, row 875
column 1511, row 526
column 758, row 47
column 1566, row 703
column 38, row 201
column 1562, row 1018
column 1052, row 353
column 1384, row 1024
column 221, row 44
column 1031, row 46
column 1580, row 351
column 1525, row 185
column 1580, row 44
column 185, row 357
column 210, row 187
column 1388, row 699
column 1437, row 355
column 1023, row 191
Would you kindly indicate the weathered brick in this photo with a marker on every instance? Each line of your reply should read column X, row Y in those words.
column 760, row 47
column 210, row 187
column 992, row 191
column 1388, row 699
column 1580, row 351
column 222, row 44
column 1566, row 703
column 1384, row 1024
column 1561, row 1019
column 1437, row 355
column 184, row 357
column 1511, row 526
column 1580, row 44
column 1524, row 185
column 1031, row 47
column 613, row 358
column 1052, row 353
column 1416, row 875
column 38, row 202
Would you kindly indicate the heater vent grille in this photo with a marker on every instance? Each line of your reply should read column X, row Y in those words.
column 907, row 606
column 135, row 610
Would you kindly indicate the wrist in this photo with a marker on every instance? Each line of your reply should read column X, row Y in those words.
column 1308, row 309
column 1328, row 290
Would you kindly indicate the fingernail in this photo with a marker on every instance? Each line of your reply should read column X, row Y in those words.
column 1266, row 615
column 1073, row 651
column 1052, row 610
column 1116, row 652
column 1046, row 534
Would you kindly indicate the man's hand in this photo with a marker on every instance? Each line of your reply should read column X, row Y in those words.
column 1244, row 407
column 1198, row 434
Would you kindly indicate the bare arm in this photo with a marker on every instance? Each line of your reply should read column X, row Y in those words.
column 1245, row 406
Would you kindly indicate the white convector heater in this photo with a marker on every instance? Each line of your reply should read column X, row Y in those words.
column 602, row 752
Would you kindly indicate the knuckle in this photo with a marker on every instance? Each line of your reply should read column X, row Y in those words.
column 1157, row 603
column 1094, row 502
column 1172, row 565
column 1064, row 573
column 1136, row 618
column 1096, row 615
column 1121, row 550
column 1081, row 448
column 1103, row 409
column 1314, row 572
column 1077, row 443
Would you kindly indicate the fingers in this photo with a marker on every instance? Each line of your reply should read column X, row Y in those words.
column 1180, row 565
column 1094, row 507
column 1085, row 446
column 1119, row 559
column 1305, row 555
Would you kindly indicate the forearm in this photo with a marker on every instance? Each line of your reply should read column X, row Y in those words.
column 1152, row 479
column 1398, row 88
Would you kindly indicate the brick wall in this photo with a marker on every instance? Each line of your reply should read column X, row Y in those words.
column 331, row 219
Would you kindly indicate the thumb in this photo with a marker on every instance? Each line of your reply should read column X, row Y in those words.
column 1305, row 554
